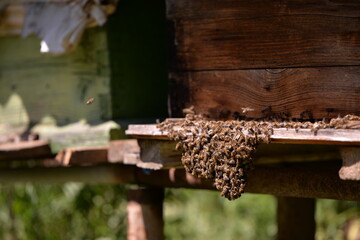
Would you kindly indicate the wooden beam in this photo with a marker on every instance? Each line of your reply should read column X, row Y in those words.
column 303, row 136
column 145, row 214
column 211, row 34
column 291, row 180
column 295, row 218
column 25, row 150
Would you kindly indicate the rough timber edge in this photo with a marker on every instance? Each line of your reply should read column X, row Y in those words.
column 281, row 135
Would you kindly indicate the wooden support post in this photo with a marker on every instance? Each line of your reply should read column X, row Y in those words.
column 295, row 218
column 145, row 214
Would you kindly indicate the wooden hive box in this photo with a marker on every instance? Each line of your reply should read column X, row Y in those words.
column 288, row 59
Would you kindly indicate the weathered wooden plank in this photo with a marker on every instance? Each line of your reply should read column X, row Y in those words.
column 124, row 151
column 25, row 150
column 236, row 34
column 157, row 154
column 302, row 93
column 281, row 135
column 119, row 151
column 82, row 155
column 146, row 131
column 78, row 134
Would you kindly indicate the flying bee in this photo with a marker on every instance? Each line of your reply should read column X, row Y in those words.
column 90, row 101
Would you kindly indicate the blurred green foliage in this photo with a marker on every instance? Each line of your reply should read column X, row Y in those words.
column 192, row 214
column 331, row 215
column 59, row 212
column 80, row 211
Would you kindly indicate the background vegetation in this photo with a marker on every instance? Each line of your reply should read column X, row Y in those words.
column 79, row 211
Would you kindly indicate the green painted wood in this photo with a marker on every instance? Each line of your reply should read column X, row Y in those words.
column 56, row 86
column 78, row 134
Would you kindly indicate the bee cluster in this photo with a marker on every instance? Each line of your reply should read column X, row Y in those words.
column 218, row 150
column 223, row 150
column 348, row 121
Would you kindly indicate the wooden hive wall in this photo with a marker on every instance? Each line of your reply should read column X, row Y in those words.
column 292, row 59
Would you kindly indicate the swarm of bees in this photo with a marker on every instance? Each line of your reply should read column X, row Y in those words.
column 348, row 121
column 223, row 150
column 218, row 150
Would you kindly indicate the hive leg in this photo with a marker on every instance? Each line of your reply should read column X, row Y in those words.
column 145, row 214
column 295, row 218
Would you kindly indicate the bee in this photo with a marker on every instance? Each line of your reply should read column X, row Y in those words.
column 189, row 110
column 232, row 162
column 247, row 109
column 90, row 101
column 178, row 146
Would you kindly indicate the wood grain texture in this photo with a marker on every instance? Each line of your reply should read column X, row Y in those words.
column 237, row 34
column 301, row 93
column 82, row 156
column 121, row 151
